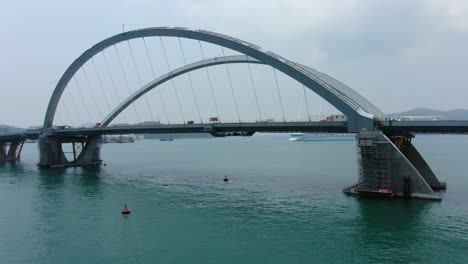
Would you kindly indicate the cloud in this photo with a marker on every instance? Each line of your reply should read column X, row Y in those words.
column 332, row 30
column 451, row 14
column 269, row 17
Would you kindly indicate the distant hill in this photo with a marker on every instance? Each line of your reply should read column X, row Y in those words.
column 456, row 114
column 10, row 129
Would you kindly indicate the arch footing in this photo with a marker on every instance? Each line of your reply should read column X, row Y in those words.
column 84, row 151
column 390, row 166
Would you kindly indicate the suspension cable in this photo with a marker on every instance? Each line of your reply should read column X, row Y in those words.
column 92, row 90
column 279, row 94
column 58, row 115
column 100, row 84
column 82, row 98
column 320, row 106
column 307, row 104
column 126, row 83
column 74, row 105
column 230, row 84
column 113, row 84
column 190, row 81
column 141, row 82
column 209, row 80
column 254, row 90
column 154, row 75
column 172, row 79
column 299, row 109
column 67, row 113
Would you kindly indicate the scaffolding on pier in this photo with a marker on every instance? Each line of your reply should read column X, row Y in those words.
column 374, row 164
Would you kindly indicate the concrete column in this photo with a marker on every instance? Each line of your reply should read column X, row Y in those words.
column 51, row 153
column 13, row 152
column 2, row 151
column 91, row 152
column 421, row 165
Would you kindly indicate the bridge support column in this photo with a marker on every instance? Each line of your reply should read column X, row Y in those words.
column 86, row 151
column 360, row 122
column 390, row 165
column 11, row 151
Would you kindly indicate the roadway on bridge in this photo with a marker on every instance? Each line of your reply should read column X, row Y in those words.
column 441, row 127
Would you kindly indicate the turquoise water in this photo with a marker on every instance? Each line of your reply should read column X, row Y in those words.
column 283, row 204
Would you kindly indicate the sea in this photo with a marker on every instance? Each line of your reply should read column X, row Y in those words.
column 283, row 203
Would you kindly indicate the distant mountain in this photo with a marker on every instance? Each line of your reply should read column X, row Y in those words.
column 456, row 114
column 10, row 129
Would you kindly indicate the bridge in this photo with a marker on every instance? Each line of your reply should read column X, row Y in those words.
column 389, row 164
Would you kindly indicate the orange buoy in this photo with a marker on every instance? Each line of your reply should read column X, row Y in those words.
column 125, row 210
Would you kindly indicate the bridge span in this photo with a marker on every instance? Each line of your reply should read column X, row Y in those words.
column 396, row 135
column 416, row 127
column 388, row 163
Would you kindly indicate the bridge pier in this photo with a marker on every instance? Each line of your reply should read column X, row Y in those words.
column 390, row 165
column 11, row 151
column 86, row 151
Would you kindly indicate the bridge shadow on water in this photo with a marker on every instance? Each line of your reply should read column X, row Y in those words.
column 12, row 167
column 89, row 178
column 16, row 172
column 51, row 178
column 63, row 199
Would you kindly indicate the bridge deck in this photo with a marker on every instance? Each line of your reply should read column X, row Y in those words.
column 325, row 127
column 440, row 127
column 20, row 136
column 436, row 127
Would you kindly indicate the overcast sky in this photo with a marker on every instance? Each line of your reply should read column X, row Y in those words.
column 398, row 54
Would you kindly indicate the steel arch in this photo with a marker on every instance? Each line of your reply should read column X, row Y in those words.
column 351, row 104
column 173, row 74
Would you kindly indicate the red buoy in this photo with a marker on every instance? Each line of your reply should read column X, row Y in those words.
column 125, row 210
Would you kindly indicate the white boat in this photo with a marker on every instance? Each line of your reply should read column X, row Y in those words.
column 320, row 137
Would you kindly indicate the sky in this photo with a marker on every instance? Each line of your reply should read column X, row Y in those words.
column 398, row 54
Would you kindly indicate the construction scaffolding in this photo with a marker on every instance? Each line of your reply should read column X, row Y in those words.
column 374, row 164
column 391, row 166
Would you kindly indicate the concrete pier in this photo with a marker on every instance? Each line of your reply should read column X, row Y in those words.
column 11, row 150
column 86, row 151
column 391, row 166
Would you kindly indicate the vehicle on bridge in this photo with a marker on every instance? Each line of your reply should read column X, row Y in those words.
column 214, row 119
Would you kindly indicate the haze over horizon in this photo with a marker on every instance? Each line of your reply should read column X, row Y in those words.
column 399, row 55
